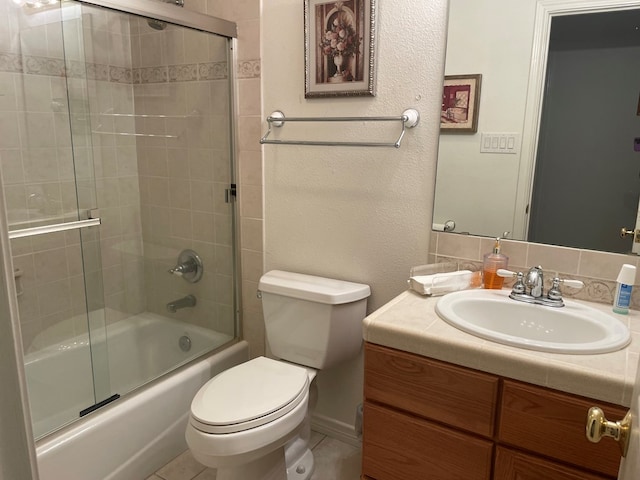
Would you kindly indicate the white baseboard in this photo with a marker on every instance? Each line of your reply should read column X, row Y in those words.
column 335, row 429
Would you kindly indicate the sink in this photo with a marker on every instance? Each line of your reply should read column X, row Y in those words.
column 575, row 328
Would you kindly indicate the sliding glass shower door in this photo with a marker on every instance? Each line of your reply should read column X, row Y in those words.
column 116, row 155
column 50, row 228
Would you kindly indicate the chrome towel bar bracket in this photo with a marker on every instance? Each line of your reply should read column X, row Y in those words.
column 409, row 119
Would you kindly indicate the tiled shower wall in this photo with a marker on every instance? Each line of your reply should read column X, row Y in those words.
column 175, row 179
column 181, row 91
column 246, row 13
column 38, row 169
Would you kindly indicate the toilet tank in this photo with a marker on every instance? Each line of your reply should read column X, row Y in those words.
column 313, row 321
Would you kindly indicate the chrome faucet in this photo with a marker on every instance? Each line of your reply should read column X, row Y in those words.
column 189, row 266
column 530, row 288
column 184, row 302
column 534, row 281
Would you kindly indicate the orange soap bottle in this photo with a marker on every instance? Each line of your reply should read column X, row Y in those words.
column 491, row 263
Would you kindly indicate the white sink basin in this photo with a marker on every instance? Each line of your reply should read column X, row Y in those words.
column 574, row 328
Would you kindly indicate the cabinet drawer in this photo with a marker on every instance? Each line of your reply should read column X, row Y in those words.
column 439, row 391
column 398, row 446
column 512, row 465
column 553, row 424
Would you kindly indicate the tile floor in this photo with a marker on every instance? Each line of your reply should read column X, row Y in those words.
column 335, row 460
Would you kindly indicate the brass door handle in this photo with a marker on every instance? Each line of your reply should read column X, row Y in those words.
column 598, row 427
column 627, row 231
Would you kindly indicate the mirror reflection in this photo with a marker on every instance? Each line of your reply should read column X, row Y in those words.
column 556, row 158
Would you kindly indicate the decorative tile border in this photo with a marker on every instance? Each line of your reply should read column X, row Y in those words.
column 34, row 65
column 151, row 75
column 76, row 69
column 213, row 71
column 183, row 73
column 96, row 71
column 10, row 63
column 53, row 67
column 120, row 75
column 249, row 69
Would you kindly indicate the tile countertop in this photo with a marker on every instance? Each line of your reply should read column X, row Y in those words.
column 409, row 323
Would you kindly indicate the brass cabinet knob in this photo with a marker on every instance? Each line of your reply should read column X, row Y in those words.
column 598, row 427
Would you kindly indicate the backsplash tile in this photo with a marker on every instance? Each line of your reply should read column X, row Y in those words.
column 598, row 270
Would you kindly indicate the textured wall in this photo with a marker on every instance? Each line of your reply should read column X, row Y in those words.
column 361, row 214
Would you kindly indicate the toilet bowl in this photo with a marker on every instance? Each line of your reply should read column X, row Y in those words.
column 252, row 422
column 249, row 411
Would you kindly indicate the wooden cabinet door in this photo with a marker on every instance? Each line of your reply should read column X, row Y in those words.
column 513, row 465
column 553, row 424
column 439, row 391
column 397, row 446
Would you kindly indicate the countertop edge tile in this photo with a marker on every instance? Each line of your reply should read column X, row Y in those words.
column 409, row 323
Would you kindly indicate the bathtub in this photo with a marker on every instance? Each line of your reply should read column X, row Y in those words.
column 133, row 436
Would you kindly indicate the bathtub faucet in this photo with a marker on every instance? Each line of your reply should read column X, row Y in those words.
column 184, row 302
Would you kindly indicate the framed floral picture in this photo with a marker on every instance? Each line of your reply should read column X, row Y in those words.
column 460, row 102
column 339, row 39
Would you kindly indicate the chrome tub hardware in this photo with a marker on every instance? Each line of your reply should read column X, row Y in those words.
column 530, row 288
column 189, row 266
column 184, row 342
column 184, row 302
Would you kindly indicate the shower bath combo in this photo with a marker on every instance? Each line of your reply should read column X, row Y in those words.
column 117, row 169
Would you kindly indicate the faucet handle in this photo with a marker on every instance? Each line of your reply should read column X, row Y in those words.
column 555, row 294
column 504, row 273
column 570, row 282
column 189, row 266
column 518, row 287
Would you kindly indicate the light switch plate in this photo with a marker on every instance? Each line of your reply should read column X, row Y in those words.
column 500, row 143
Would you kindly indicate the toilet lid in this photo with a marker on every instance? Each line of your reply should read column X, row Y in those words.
column 248, row 395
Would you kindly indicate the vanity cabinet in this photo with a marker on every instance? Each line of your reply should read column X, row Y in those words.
column 427, row 419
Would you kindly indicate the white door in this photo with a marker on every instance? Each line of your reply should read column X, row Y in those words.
column 630, row 467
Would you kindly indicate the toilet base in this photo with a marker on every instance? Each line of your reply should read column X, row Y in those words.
column 270, row 467
column 303, row 468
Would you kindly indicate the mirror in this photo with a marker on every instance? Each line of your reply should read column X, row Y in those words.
column 587, row 123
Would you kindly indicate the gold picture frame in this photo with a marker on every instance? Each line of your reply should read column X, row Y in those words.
column 460, row 103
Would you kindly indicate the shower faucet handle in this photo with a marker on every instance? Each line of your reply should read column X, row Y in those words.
column 189, row 266
column 183, row 268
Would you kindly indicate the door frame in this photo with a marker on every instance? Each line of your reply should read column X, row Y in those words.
column 545, row 11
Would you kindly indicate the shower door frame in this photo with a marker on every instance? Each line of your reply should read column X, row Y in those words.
column 168, row 12
column 8, row 298
column 150, row 9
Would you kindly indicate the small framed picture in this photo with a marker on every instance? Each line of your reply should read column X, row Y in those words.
column 460, row 102
column 339, row 38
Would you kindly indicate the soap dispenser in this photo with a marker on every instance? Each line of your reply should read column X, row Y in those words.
column 491, row 263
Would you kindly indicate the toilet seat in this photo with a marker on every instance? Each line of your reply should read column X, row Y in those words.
column 249, row 395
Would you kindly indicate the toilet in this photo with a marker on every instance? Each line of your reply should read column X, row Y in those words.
column 252, row 421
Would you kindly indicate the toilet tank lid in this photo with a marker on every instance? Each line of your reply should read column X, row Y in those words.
column 312, row 288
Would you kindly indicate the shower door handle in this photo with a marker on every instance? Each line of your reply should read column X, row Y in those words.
column 53, row 228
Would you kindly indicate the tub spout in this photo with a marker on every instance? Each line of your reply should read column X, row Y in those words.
column 184, row 302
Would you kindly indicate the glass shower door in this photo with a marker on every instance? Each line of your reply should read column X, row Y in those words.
column 118, row 151
column 48, row 225
column 153, row 102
